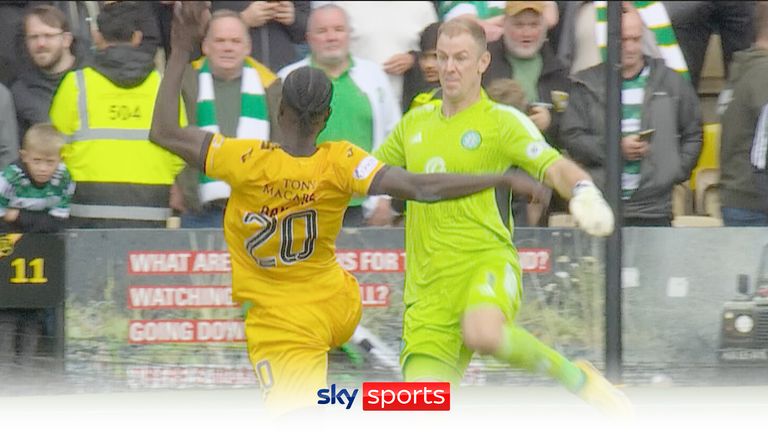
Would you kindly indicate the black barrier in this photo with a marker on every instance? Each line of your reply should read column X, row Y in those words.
column 32, row 276
column 151, row 308
column 31, row 271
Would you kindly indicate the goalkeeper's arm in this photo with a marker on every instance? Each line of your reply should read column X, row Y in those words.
column 587, row 204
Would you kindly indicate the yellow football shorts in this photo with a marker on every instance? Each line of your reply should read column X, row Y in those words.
column 288, row 345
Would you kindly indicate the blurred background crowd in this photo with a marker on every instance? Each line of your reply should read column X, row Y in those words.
column 91, row 69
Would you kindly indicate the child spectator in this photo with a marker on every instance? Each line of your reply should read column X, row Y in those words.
column 35, row 191
column 34, row 198
column 509, row 92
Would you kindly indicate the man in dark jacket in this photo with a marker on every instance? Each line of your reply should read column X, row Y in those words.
column 49, row 45
column 276, row 28
column 524, row 55
column 744, row 110
column 653, row 97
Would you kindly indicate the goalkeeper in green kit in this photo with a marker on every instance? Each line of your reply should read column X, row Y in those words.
column 463, row 280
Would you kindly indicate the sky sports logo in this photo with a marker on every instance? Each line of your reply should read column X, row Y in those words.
column 391, row 396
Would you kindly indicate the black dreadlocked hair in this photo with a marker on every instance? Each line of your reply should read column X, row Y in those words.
column 308, row 92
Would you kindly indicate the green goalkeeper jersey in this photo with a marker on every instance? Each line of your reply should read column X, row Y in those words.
column 443, row 239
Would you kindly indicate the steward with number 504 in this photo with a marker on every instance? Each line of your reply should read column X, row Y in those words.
column 105, row 110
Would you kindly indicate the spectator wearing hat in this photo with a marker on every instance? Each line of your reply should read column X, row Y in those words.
column 524, row 55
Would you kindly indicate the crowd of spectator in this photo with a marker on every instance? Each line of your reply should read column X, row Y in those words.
column 78, row 82
column 91, row 70
column 81, row 78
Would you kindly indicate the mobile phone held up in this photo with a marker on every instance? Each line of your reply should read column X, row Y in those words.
column 531, row 105
column 646, row 135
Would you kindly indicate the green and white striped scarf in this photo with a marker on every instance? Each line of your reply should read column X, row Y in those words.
column 484, row 9
column 253, row 121
column 655, row 17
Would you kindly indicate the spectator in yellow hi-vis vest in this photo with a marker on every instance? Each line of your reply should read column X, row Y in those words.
column 106, row 110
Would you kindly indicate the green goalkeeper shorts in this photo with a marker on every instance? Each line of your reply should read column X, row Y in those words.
column 432, row 324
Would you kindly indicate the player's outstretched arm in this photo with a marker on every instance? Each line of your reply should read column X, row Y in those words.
column 587, row 205
column 188, row 21
column 524, row 185
column 399, row 183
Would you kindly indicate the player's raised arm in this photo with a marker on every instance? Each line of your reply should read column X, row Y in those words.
column 402, row 184
column 186, row 31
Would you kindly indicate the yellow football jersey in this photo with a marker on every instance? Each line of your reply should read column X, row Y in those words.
column 284, row 214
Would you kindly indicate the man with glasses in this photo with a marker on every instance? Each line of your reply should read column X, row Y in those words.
column 49, row 45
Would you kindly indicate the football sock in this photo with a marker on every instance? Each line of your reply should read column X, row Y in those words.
column 521, row 349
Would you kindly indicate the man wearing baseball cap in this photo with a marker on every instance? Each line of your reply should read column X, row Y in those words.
column 524, row 55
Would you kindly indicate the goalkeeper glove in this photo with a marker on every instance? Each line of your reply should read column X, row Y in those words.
column 590, row 210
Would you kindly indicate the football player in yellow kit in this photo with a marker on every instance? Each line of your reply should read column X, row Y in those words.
column 285, row 211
